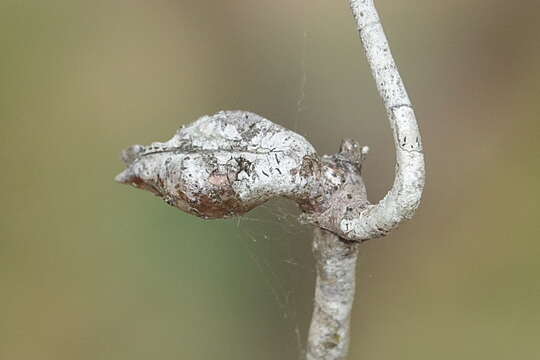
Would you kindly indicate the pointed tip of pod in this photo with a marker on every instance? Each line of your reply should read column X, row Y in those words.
column 124, row 177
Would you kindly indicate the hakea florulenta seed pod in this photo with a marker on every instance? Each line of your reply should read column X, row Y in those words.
column 222, row 165
column 226, row 164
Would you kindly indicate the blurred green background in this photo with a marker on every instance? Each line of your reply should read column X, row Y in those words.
column 90, row 269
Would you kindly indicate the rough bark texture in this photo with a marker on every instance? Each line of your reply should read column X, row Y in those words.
column 329, row 333
column 228, row 163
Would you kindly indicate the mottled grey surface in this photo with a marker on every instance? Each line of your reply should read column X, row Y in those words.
column 221, row 165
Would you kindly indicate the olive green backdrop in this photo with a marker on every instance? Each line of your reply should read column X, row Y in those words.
column 90, row 269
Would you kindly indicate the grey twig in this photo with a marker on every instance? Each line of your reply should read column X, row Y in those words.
column 226, row 164
column 334, row 295
column 403, row 199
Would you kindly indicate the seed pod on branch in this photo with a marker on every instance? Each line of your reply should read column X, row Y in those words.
column 227, row 164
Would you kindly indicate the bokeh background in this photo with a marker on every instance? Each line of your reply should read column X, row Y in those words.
column 90, row 269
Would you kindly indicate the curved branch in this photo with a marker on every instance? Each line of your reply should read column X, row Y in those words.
column 404, row 198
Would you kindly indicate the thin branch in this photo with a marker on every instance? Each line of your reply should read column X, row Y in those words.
column 329, row 332
column 404, row 198
column 336, row 259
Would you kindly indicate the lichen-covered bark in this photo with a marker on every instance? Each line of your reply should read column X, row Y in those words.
column 329, row 333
